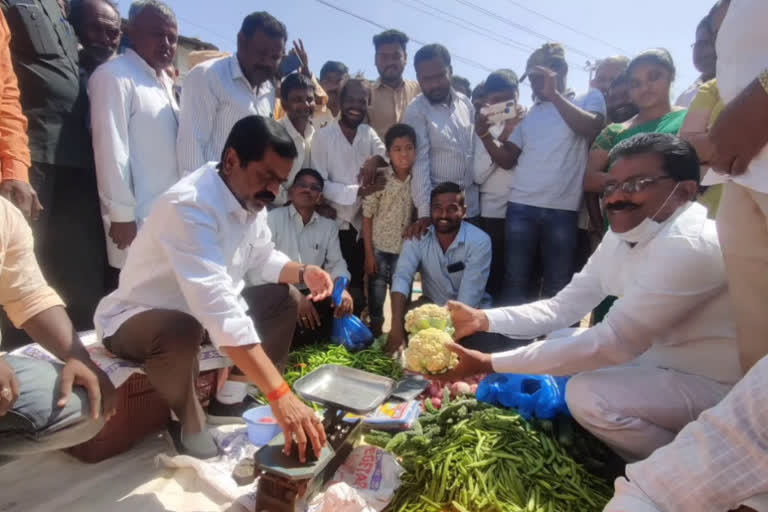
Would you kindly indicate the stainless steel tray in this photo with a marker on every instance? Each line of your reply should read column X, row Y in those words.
column 344, row 388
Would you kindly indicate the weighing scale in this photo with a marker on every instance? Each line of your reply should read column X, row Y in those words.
column 287, row 485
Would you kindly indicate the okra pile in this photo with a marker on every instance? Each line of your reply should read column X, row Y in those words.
column 473, row 457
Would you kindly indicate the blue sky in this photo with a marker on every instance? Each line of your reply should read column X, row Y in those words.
column 328, row 34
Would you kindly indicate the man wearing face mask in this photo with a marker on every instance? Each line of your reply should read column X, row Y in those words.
column 183, row 278
column 219, row 92
column 667, row 349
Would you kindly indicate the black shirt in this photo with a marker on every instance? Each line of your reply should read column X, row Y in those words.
column 45, row 58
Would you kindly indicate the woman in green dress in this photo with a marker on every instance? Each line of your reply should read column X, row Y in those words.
column 650, row 79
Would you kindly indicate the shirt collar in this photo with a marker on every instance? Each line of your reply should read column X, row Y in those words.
column 378, row 84
column 228, row 199
column 297, row 218
column 237, row 74
column 461, row 236
column 293, row 132
column 570, row 94
column 138, row 60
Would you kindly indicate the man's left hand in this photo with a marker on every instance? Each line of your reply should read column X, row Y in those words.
column 101, row 392
column 346, row 307
column 319, row 283
column 549, row 87
column 741, row 131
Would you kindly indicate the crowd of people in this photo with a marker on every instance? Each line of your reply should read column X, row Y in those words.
column 227, row 209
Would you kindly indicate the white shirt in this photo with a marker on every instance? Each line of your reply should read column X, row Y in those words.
column 493, row 180
column 716, row 463
column 215, row 96
column 314, row 243
column 673, row 309
column 686, row 98
column 339, row 162
column 444, row 136
column 134, row 119
column 303, row 143
column 741, row 57
column 191, row 255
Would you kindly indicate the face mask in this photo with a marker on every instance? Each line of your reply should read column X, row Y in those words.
column 648, row 228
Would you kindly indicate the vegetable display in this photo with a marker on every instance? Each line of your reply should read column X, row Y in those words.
column 426, row 316
column 474, row 457
column 428, row 352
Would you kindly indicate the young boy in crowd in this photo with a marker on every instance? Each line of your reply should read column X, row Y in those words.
column 386, row 215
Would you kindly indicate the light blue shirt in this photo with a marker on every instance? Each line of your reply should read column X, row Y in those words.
column 443, row 149
column 472, row 247
column 550, row 170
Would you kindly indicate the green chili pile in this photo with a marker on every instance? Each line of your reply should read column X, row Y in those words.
column 306, row 359
column 473, row 457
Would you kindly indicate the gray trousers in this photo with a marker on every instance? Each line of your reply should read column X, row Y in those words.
column 36, row 424
column 168, row 342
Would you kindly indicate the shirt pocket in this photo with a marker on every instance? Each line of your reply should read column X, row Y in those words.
column 31, row 31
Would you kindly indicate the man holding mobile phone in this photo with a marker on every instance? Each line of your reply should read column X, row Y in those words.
column 454, row 259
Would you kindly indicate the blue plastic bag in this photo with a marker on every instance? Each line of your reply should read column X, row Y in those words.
column 349, row 330
column 535, row 396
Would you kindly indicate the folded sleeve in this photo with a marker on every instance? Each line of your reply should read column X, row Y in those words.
column 189, row 241
column 23, row 290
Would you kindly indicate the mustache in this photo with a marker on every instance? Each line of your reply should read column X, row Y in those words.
column 265, row 195
column 621, row 205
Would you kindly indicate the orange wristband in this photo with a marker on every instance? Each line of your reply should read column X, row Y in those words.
column 279, row 393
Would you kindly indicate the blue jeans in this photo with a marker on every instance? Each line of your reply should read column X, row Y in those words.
column 35, row 423
column 535, row 232
column 377, row 288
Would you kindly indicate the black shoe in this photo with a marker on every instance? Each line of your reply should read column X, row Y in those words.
column 224, row 414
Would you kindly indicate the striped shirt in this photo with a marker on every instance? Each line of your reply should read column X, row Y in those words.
column 715, row 463
column 215, row 96
column 444, row 149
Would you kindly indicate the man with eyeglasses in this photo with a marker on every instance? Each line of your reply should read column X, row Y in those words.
column 667, row 349
column 299, row 232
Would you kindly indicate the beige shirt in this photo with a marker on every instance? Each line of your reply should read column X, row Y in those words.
column 391, row 210
column 23, row 290
column 388, row 105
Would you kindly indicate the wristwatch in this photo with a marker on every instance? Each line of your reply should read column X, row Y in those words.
column 301, row 274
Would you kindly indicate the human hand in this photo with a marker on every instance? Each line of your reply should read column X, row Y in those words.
column 482, row 125
column 740, row 132
column 301, row 53
column 377, row 184
column 326, row 210
column 23, row 196
column 466, row 320
column 308, row 315
column 122, row 233
column 418, row 229
column 549, row 83
column 395, row 341
column 371, row 265
column 9, row 387
column 319, row 283
column 471, row 362
column 299, row 421
column 511, row 124
column 101, row 392
column 346, row 307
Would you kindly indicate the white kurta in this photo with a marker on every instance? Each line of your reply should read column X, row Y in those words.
column 134, row 120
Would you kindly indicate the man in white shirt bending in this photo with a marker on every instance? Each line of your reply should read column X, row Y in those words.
column 667, row 349
column 297, row 96
column 219, row 92
column 346, row 153
column 183, row 278
column 134, row 120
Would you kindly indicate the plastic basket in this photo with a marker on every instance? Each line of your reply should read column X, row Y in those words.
column 140, row 412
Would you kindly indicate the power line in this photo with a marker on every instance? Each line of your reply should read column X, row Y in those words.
column 459, row 58
column 566, row 26
column 522, row 27
column 468, row 25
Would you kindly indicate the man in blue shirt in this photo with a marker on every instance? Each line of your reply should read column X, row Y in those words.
column 453, row 257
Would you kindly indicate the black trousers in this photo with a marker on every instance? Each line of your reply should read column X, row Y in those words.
column 353, row 252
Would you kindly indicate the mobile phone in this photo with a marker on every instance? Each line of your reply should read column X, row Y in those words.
column 455, row 267
column 289, row 64
column 500, row 112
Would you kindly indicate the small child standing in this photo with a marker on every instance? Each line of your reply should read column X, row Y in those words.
column 386, row 215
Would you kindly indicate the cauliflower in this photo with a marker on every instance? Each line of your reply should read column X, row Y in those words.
column 427, row 352
column 426, row 316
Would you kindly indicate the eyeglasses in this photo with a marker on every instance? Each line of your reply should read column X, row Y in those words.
column 314, row 187
column 632, row 185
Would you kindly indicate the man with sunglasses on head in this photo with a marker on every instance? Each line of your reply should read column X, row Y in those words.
column 667, row 349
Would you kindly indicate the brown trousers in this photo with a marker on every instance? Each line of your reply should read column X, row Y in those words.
column 168, row 342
